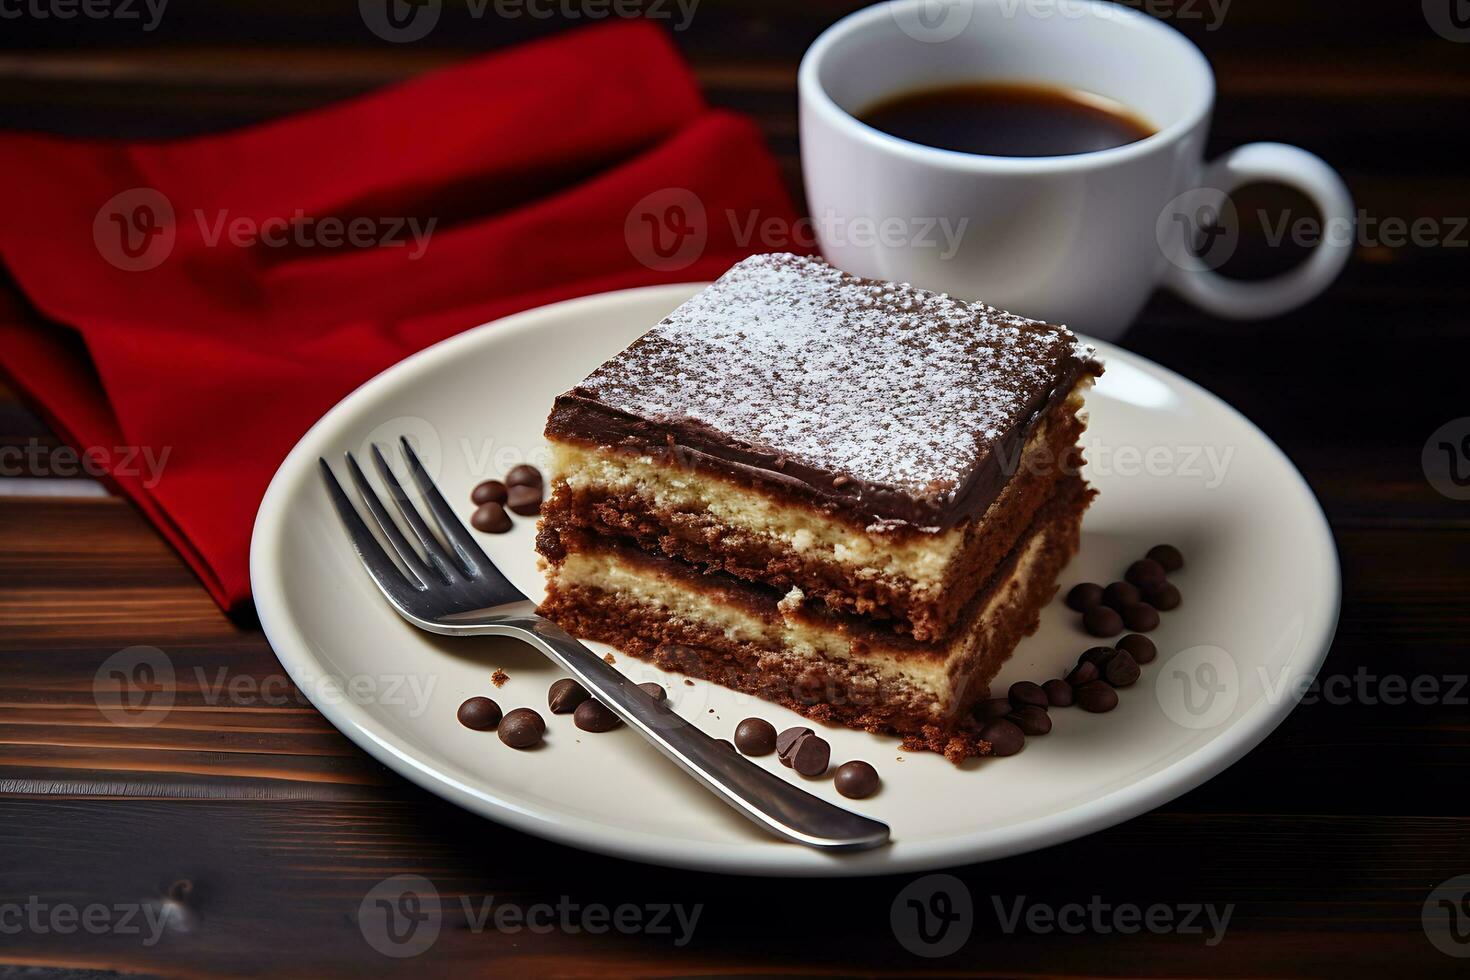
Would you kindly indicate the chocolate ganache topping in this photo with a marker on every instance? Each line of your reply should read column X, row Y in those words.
column 888, row 405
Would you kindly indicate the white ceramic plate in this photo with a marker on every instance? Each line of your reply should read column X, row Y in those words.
column 1172, row 462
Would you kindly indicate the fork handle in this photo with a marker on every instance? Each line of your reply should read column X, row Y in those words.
column 785, row 810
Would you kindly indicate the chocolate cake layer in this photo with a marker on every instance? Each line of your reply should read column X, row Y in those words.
column 876, row 402
column 830, row 666
column 918, row 582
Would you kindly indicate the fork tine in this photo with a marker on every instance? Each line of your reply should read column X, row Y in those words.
column 454, row 531
column 433, row 550
column 395, row 537
column 386, row 574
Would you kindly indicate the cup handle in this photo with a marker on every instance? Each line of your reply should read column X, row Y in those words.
column 1193, row 276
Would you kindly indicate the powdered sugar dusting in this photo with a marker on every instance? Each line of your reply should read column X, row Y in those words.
column 885, row 383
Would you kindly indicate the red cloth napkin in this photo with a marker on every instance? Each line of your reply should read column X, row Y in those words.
column 191, row 338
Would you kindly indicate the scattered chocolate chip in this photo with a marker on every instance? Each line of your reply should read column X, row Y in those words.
column 1140, row 617
column 521, row 728
column 1097, row 697
column 807, row 753
column 524, row 475
column 991, row 709
column 1097, row 656
column 1102, row 621
column 1144, row 572
column 1163, row 597
column 1120, row 594
column 1026, row 692
column 655, row 691
column 788, row 738
column 491, row 518
column 1122, row 670
column 755, row 736
column 1168, row 556
column 594, row 716
column 1083, row 673
column 565, row 695
column 856, row 780
column 1058, row 693
column 524, row 500
column 727, row 745
column 1084, row 596
column 1005, row 737
column 488, row 492
column 1031, row 720
column 481, row 714
column 1140, row 647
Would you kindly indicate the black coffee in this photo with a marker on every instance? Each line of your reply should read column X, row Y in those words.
column 1008, row 120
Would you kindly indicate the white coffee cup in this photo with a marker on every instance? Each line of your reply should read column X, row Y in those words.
column 1081, row 239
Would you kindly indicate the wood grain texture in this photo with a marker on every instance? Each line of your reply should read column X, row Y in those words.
column 259, row 830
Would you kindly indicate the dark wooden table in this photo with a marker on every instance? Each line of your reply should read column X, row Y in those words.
column 257, row 830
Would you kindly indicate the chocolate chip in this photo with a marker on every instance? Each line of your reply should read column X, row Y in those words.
column 488, row 492
column 1097, row 656
column 565, row 695
column 788, row 738
column 856, row 780
column 524, row 475
column 1084, row 596
column 481, row 714
column 1026, row 692
column 1140, row 617
column 755, row 736
column 524, row 500
column 1120, row 594
column 1083, row 673
column 1031, row 720
column 1141, row 648
column 726, row 744
column 491, row 518
column 594, row 716
column 1168, row 556
column 1102, row 621
column 1122, row 670
column 655, row 691
column 1163, row 597
column 1097, row 697
column 521, row 728
column 1005, row 737
column 1058, row 693
column 991, row 709
column 1144, row 572
column 806, row 752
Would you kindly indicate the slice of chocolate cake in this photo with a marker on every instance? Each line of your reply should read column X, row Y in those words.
column 809, row 482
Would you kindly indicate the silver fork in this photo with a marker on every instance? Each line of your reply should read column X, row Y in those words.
column 458, row 591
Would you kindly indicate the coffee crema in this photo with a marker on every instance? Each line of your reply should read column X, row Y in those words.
column 1008, row 119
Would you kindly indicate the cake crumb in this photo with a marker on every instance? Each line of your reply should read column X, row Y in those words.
column 954, row 746
column 609, row 658
column 688, row 682
column 499, row 677
column 791, row 602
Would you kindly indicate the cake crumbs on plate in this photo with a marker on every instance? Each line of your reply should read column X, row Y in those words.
column 499, row 677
